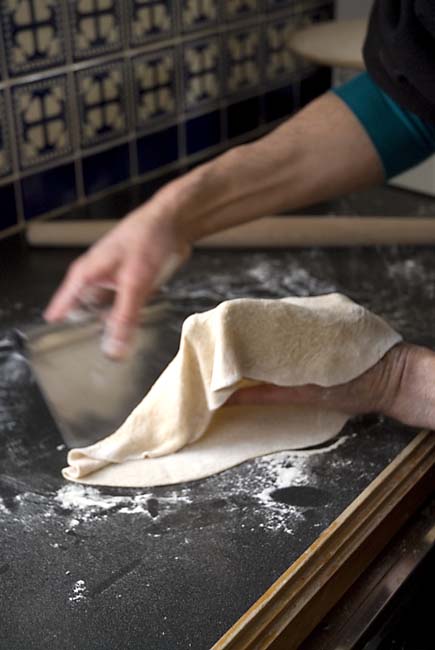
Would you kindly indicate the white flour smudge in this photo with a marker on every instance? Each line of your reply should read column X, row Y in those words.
column 14, row 369
column 410, row 270
column 79, row 592
column 86, row 502
column 3, row 507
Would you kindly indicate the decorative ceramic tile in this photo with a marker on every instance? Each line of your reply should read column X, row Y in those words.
column 280, row 60
column 307, row 6
column 157, row 149
column 243, row 117
column 48, row 190
column 8, row 217
column 154, row 86
column 281, row 4
column 43, row 124
column 149, row 19
column 131, row 63
column 198, row 13
column 201, row 72
column 96, row 27
column 33, row 34
column 203, row 132
column 5, row 158
column 235, row 9
column 317, row 83
column 325, row 12
column 102, row 103
column 278, row 103
column 243, row 60
column 106, row 169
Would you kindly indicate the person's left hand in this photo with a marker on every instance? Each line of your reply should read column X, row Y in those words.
column 401, row 385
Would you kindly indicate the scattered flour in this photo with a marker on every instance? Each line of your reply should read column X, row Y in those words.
column 87, row 502
column 3, row 507
column 410, row 270
column 14, row 369
column 79, row 592
column 270, row 473
column 255, row 484
column 257, row 273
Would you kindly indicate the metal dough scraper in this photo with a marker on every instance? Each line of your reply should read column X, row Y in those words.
column 88, row 394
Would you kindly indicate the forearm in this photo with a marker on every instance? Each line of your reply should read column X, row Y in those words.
column 320, row 153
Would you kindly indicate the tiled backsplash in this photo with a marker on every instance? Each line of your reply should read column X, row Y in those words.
column 95, row 94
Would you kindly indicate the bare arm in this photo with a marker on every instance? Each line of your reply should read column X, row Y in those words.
column 320, row 153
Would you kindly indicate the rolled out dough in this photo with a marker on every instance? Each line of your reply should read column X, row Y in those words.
column 181, row 431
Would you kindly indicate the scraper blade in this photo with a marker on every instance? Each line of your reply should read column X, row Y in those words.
column 88, row 394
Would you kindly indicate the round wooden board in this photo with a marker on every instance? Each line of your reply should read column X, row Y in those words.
column 336, row 43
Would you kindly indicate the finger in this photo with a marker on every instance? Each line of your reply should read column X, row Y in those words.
column 67, row 296
column 122, row 320
column 79, row 277
column 269, row 394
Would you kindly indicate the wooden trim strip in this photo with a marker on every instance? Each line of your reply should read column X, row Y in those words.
column 290, row 609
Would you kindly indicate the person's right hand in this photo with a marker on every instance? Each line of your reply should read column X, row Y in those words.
column 133, row 259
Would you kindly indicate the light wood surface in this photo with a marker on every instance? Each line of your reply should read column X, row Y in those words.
column 336, row 43
column 269, row 232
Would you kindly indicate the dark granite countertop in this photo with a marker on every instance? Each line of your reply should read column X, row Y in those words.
column 174, row 568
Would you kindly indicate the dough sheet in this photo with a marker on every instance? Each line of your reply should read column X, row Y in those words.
column 182, row 431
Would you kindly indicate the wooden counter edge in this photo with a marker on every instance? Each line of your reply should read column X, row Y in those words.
column 292, row 607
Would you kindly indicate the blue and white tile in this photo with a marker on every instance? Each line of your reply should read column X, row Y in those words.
column 243, row 64
column 197, row 14
column 149, row 19
column 33, row 34
column 5, row 152
column 238, row 9
column 280, row 62
column 43, row 125
column 314, row 84
column 202, row 72
column 101, row 96
column 155, row 88
column 106, row 169
column 243, row 117
column 307, row 6
column 8, row 213
column 203, row 132
column 48, row 190
column 279, row 103
column 96, row 27
column 291, row 5
column 157, row 149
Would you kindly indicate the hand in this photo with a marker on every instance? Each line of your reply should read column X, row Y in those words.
column 401, row 385
column 133, row 260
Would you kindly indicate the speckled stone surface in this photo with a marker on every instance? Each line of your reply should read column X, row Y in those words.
column 174, row 568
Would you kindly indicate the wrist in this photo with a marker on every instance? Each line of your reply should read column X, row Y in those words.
column 188, row 201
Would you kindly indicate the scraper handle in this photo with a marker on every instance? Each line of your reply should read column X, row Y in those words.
column 268, row 232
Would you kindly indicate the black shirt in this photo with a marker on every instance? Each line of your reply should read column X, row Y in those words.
column 399, row 53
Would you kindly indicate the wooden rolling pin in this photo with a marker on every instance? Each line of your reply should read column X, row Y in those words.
column 268, row 232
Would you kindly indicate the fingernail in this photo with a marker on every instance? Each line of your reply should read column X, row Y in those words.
column 77, row 316
column 114, row 348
